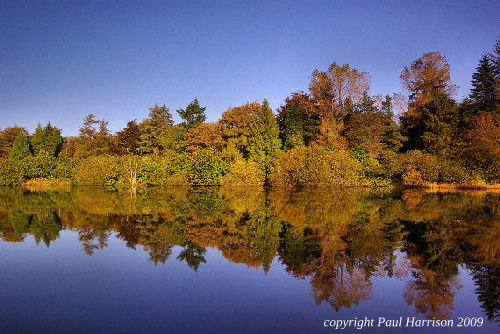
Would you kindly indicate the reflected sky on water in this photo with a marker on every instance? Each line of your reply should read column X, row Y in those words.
column 245, row 260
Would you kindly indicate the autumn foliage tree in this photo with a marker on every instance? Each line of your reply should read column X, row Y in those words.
column 7, row 138
column 429, row 85
column 235, row 125
column 332, row 88
column 334, row 92
column 207, row 136
column 95, row 137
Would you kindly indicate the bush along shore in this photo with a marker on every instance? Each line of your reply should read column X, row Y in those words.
column 335, row 134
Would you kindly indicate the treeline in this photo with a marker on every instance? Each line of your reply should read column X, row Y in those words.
column 334, row 134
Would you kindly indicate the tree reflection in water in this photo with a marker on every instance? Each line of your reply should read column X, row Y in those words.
column 338, row 239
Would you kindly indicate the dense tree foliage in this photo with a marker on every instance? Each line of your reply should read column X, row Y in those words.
column 46, row 141
column 21, row 147
column 129, row 138
column 7, row 137
column 153, row 128
column 264, row 143
column 298, row 121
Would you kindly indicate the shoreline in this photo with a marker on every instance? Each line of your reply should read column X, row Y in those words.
column 461, row 187
column 66, row 185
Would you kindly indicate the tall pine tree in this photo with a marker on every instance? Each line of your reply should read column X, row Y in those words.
column 193, row 115
column 484, row 86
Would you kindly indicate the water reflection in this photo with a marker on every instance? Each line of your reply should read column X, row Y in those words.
column 339, row 240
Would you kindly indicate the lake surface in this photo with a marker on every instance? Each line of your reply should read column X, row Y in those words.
column 245, row 260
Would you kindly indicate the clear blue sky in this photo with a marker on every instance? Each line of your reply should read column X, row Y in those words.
column 60, row 60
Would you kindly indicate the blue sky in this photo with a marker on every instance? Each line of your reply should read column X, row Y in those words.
column 61, row 60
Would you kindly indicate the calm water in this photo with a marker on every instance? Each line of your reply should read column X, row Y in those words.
column 245, row 260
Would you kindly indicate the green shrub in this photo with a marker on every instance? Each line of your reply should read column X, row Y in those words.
column 176, row 163
column 391, row 164
column 161, row 170
column 412, row 177
column 453, row 172
column 66, row 168
column 316, row 166
column 243, row 172
column 205, row 169
column 373, row 173
column 427, row 165
column 150, row 171
column 100, row 171
column 38, row 167
column 290, row 168
column 10, row 172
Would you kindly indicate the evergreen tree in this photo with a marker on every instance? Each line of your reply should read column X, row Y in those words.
column 20, row 148
column 495, row 56
column 364, row 127
column 103, row 142
column 128, row 138
column 194, row 115
column 263, row 141
column 439, row 125
column 496, row 70
column 393, row 139
column 153, row 128
column 483, row 92
column 47, row 140
column 37, row 139
column 293, row 127
column 298, row 120
column 486, row 278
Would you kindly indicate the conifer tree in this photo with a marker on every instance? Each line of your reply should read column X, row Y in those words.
column 293, row 126
column 153, row 128
column 298, row 120
column 128, row 138
column 194, row 115
column 37, row 139
column 264, row 142
column 20, row 148
column 393, row 139
column 440, row 119
column 483, row 92
column 47, row 140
